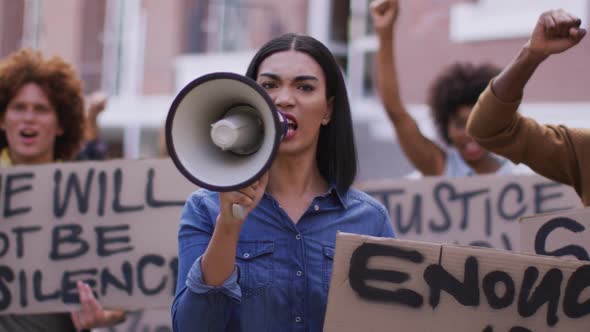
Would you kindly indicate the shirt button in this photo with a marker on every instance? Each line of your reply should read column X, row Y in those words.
column 246, row 255
column 298, row 236
column 298, row 319
column 316, row 207
column 299, row 273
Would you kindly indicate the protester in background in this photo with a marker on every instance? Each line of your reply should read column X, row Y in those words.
column 557, row 152
column 94, row 148
column 42, row 121
column 271, row 270
column 452, row 95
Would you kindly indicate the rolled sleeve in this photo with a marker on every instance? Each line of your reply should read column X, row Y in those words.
column 492, row 118
column 230, row 286
column 197, row 304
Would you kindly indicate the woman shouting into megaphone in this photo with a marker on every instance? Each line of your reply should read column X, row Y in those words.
column 270, row 270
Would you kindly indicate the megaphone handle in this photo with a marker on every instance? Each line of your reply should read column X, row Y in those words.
column 238, row 211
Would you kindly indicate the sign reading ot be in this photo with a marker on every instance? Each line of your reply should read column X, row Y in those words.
column 111, row 224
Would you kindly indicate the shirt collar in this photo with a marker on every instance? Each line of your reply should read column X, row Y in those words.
column 332, row 193
column 333, row 190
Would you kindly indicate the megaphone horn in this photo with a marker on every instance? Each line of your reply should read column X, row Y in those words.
column 223, row 132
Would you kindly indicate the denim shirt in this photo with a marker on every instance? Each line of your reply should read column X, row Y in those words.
column 283, row 269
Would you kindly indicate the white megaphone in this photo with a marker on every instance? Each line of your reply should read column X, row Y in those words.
column 223, row 132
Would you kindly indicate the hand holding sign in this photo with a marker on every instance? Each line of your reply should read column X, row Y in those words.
column 91, row 313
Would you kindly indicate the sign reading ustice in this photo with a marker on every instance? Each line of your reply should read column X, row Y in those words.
column 482, row 211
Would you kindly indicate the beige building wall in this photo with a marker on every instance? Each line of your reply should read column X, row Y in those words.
column 61, row 29
column 163, row 42
column 11, row 29
column 277, row 17
column 424, row 49
column 166, row 38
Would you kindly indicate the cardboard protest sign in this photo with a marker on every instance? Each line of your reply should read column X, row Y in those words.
column 562, row 234
column 388, row 284
column 482, row 210
column 113, row 224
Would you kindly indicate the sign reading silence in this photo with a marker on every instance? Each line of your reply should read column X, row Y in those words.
column 110, row 224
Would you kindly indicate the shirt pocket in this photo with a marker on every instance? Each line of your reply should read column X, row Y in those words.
column 255, row 263
column 328, row 261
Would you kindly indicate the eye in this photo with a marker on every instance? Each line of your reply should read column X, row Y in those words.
column 268, row 85
column 41, row 109
column 17, row 107
column 306, row 87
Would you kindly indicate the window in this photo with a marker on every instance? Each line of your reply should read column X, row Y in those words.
column 502, row 19
column 91, row 43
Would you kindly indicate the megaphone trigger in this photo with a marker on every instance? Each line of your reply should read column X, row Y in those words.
column 238, row 211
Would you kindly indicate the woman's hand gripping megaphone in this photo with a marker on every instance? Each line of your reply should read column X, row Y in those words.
column 236, row 205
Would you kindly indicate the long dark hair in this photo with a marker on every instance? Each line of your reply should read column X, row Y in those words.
column 336, row 152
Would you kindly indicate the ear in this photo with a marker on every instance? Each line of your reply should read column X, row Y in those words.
column 329, row 111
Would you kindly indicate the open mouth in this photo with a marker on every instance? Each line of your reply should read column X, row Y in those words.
column 291, row 125
column 28, row 133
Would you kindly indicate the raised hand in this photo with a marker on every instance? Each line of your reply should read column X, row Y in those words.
column 384, row 13
column 91, row 313
column 555, row 32
column 96, row 104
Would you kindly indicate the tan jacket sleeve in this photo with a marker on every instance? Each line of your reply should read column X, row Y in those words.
column 557, row 152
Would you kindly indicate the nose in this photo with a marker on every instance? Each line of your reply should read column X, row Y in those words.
column 29, row 114
column 284, row 98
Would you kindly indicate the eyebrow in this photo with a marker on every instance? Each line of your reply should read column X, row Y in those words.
column 296, row 79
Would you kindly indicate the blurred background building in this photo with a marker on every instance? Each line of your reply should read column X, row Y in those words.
column 142, row 52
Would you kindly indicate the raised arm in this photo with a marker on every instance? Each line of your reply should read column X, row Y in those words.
column 553, row 151
column 555, row 32
column 426, row 156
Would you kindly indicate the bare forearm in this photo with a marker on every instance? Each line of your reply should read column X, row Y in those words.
column 219, row 259
column 510, row 83
column 91, row 131
column 387, row 79
column 424, row 154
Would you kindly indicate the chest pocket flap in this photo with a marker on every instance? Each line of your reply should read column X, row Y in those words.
column 255, row 263
column 251, row 250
